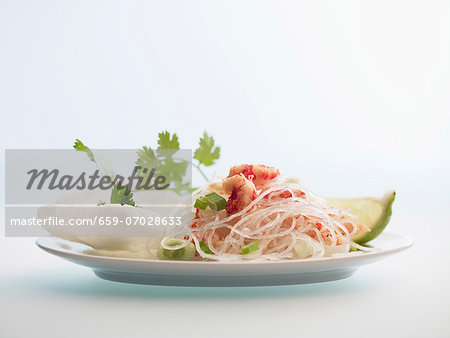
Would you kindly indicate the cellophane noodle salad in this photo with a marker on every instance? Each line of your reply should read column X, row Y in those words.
column 267, row 216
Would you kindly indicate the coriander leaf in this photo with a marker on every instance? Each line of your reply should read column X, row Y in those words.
column 206, row 153
column 121, row 195
column 173, row 170
column 167, row 146
column 79, row 146
column 147, row 158
column 184, row 187
column 118, row 195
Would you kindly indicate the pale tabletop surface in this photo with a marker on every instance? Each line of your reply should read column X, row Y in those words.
column 406, row 295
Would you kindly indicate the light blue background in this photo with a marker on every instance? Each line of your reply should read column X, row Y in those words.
column 350, row 95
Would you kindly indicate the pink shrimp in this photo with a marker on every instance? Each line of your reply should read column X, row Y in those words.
column 242, row 192
column 259, row 174
column 285, row 193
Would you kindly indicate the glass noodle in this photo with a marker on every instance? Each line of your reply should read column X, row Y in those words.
column 285, row 228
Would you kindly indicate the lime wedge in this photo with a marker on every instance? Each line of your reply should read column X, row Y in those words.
column 375, row 213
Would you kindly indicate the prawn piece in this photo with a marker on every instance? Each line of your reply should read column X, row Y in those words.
column 284, row 193
column 259, row 174
column 242, row 192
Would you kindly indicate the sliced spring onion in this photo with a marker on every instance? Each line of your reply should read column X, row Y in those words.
column 205, row 248
column 218, row 202
column 213, row 200
column 186, row 253
column 201, row 203
column 249, row 248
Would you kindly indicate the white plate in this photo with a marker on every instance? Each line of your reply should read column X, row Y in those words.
column 156, row 272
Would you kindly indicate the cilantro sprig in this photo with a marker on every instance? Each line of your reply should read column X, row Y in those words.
column 163, row 159
column 79, row 146
column 167, row 144
column 119, row 194
column 207, row 153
